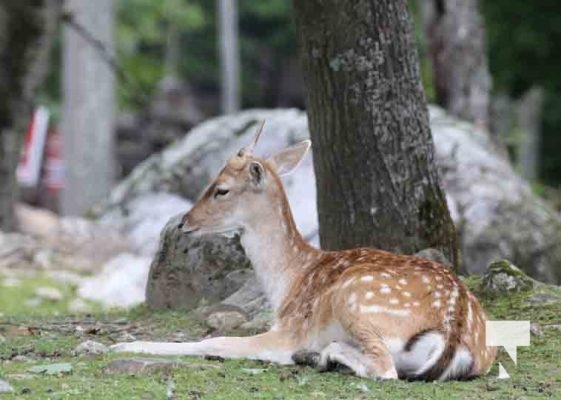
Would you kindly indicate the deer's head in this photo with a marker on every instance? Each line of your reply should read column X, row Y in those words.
column 244, row 192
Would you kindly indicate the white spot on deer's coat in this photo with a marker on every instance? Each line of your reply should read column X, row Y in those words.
column 436, row 304
column 375, row 309
column 416, row 304
column 385, row 275
column 437, row 295
column 402, row 281
column 406, row 294
column 367, row 278
column 425, row 279
column 438, row 278
column 352, row 299
column 385, row 289
column 368, row 295
column 455, row 293
column 394, row 301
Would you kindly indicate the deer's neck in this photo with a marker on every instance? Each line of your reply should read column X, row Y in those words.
column 277, row 251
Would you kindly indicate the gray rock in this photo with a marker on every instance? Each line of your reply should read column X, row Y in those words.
column 120, row 283
column 5, row 387
column 497, row 214
column 150, row 366
column 186, row 270
column 91, row 347
column 434, row 255
column 261, row 322
column 503, row 277
column 250, row 297
column 536, row 329
column 225, row 320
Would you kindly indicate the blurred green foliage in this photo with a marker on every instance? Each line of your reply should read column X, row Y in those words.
column 524, row 40
column 265, row 28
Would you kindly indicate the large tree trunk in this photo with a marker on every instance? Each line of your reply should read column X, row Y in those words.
column 455, row 37
column 373, row 151
column 89, row 103
column 229, row 55
column 26, row 32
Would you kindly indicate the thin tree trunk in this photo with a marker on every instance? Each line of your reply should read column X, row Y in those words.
column 89, row 103
column 26, row 34
column 373, row 150
column 455, row 36
column 529, row 112
column 229, row 55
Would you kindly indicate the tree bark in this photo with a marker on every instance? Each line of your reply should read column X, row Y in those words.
column 26, row 34
column 89, row 103
column 529, row 115
column 229, row 55
column 373, row 151
column 455, row 37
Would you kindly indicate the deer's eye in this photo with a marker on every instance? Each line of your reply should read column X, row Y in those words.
column 220, row 192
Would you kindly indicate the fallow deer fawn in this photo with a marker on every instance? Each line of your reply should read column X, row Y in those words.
column 383, row 315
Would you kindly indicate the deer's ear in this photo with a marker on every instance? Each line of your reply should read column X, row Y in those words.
column 256, row 174
column 286, row 161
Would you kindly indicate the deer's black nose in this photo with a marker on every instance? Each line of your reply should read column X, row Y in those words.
column 180, row 225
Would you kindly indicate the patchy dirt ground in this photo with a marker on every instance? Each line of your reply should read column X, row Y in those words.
column 38, row 360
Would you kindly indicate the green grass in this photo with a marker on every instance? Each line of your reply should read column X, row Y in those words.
column 49, row 335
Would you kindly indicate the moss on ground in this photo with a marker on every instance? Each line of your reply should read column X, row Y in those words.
column 49, row 335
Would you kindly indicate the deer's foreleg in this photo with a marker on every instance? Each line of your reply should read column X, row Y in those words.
column 271, row 346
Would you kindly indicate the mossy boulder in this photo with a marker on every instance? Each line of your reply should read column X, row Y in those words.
column 503, row 277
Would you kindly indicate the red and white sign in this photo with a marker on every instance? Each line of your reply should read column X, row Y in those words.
column 29, row 167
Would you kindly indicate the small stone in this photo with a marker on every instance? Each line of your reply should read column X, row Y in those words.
column 502, row 277
column 536, row 329
column 49, row 293
column 179, row 337
column 78, row 306
column 91, row 347
column 25, row 390
column 126, row 337
column 5, row 387
column 225, row 320
column 554, row 326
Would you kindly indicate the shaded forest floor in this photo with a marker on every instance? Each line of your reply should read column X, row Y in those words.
column 46, row 334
